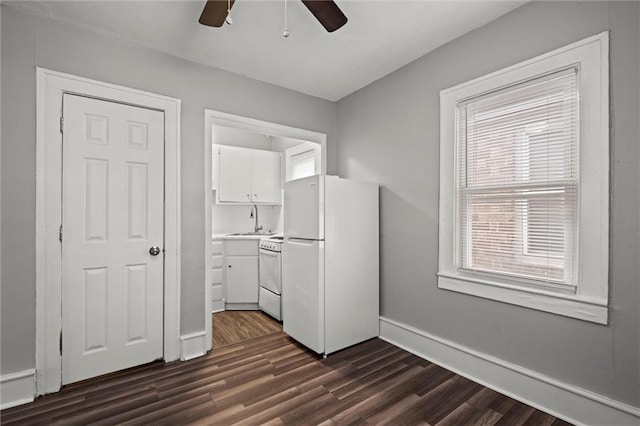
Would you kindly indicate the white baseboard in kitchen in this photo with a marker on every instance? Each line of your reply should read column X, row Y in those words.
column 562, row 400
column 242, row 307
column 217, row 306
column 17, row 388
column 193, row 345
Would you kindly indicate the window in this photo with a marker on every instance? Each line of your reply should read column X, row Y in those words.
column 303, row 165
column 302, row 160
column 524, row 183
column 517, row 180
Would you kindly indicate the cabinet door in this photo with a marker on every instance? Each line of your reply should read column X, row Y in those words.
column 242, row 279
column 234, row 175
column 265, row 179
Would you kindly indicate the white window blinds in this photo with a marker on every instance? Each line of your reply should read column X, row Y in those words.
column 518, row 180
column 303, row 164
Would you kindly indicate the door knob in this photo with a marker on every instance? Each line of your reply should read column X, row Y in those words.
column 154, row 251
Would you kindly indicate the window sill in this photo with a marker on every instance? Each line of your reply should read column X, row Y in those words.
column 560, row 304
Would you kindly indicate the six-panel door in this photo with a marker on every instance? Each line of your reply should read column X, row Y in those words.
column 112, row 284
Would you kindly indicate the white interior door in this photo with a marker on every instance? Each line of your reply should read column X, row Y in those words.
column 112, row 282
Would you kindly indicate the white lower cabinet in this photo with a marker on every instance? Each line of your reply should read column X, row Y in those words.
column 241, row 272
column 242, row 280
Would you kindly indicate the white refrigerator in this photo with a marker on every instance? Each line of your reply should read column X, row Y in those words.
column 330, row 262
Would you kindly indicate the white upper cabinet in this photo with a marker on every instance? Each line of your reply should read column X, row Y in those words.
column 234, row 175
column 265, row 177
column 247, row 175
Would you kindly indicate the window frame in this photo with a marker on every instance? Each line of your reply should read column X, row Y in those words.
column 589, row 301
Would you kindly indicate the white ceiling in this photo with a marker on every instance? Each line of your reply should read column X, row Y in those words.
column 380, row 36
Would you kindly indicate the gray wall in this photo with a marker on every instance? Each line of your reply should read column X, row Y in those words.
column 28, row 42
column 389, row 133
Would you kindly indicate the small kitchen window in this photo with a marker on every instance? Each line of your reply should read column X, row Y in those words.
column 524, row 183
column 302, row 160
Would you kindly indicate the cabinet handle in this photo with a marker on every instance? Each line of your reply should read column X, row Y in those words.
column 255, row 195
column 248, row 195
column 229, row 266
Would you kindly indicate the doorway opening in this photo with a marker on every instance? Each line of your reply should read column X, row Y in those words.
column 262, row 153
column 230, row 327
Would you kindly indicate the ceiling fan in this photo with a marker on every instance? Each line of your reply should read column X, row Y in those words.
column 326, row 12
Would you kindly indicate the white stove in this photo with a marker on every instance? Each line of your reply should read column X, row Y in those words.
column 270, row 277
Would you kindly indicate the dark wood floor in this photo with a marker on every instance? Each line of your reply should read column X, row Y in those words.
column 273, row 380
column 236, row 326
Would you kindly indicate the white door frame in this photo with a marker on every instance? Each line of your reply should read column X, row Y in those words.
column 212, row 118
column 51, row 86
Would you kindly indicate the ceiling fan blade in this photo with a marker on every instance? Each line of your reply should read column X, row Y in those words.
column 214, row 13
column 327, row 13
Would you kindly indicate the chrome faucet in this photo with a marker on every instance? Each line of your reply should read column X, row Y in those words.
column 256, row 228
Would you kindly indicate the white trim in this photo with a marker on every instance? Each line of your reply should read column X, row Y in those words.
column 556, row 303
column 212, row 117
column 492, row 80
column 208, row 199
column 17, row 388
column 241, row 307
column 560, row 399
column 51, row 86
column 193, row 345
column 218, row 306
column 591, row 298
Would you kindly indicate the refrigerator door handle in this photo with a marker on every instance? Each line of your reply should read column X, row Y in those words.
column 301, row 241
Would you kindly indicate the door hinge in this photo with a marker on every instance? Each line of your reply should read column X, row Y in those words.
column 60, row 343
column 61, row 124
column 60, row 233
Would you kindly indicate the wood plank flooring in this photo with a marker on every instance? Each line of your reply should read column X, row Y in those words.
column 273, row 380
column 236, row 326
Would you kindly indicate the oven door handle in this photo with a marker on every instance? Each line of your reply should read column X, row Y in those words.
column 266, row 252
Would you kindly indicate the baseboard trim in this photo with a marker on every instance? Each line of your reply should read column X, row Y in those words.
column 241, row 307
column 17, row 388
column 193, row 345
column 217, row 306
column 562, row 400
